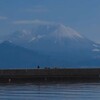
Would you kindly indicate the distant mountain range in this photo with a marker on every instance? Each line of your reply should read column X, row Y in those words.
column 49, row 44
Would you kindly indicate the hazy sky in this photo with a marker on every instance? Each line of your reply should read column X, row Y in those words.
column 81, row 15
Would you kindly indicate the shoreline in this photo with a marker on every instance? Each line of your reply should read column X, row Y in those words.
column 47, row 74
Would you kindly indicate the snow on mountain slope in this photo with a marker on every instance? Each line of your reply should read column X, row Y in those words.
column 44, row 33
column 41, row 30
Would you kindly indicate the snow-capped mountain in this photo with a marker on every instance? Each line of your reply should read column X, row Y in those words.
column 59, row 42
column 56, row 31
column 42, row 34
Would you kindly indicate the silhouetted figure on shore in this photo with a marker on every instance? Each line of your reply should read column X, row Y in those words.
column 38, row 66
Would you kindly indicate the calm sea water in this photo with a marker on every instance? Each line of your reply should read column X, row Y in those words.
column 47, row 91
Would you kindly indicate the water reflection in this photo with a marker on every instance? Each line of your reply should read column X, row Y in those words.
column 47, row 91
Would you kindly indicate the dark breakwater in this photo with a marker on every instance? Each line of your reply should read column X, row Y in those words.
column 32, row 75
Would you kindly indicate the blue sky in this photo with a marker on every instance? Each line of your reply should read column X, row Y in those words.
column 81, row 15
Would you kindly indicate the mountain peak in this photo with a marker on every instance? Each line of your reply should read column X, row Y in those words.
column 67, row 32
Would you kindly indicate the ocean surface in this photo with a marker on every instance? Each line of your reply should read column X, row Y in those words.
column 50, row 91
